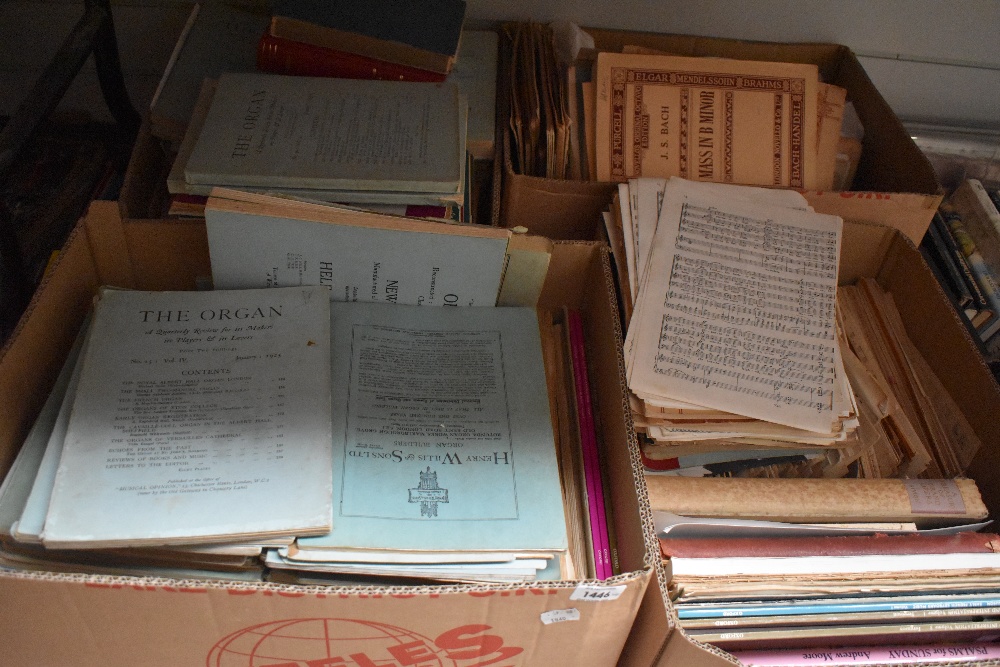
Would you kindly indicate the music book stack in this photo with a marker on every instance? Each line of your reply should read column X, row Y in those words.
column 718, row 353
column 328, row 139
column 444, row 456
column 188, row 431
column 312, row 418
column 639, row 112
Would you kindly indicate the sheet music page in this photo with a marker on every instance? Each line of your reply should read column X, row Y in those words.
column 706, row 119
column 676, row 189
column 737, row 311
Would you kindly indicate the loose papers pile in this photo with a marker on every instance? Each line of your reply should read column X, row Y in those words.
column 733, row 343
column 746, row 358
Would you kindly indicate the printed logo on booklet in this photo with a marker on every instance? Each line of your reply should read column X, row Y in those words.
column 347, row 642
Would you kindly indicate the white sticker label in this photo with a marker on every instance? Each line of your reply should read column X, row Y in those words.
column 934, row 496
column 597, row 593
column 560, row 616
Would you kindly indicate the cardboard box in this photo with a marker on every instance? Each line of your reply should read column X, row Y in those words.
column 934, row 326
column 80, row 620
column 891, row 164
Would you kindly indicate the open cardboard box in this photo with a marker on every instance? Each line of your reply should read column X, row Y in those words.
column 895, row 196
column 934, row 326
column 891, row 169
column 73, row 619
column 884, row 253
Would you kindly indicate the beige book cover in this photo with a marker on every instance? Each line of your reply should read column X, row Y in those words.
column 818, row 500
column 706, row 119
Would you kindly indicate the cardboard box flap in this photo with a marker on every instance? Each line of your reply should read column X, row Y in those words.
column 863, row 249
column 563, row 210
column 144, row 189
column 910, row 213
column 890, row 160
column 162, row 247
column 45, row 334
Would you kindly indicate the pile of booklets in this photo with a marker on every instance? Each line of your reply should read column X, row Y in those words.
column 328, row 139
column 733, row 351
column 401, row 40
column 799, row 452
column 149, row 454
column 963, row 244
column 306, row 420
column 393, row 117
column 831, row 563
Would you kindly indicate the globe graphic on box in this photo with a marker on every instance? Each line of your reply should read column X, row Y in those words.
column 299, row 642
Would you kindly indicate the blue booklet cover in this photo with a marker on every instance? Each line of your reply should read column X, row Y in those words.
column 442, row 436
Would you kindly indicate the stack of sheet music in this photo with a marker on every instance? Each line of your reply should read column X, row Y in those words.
column 617, row 112
column 919, row 428
column 746, row 358
column 540, row 115
column 188, row 431
column 733, row 348
column 446, row 466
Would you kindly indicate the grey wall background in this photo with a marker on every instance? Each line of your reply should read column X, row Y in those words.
column 935, row 61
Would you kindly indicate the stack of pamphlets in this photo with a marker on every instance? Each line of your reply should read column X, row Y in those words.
column 355, row 142
column 445, row 464
column 273, row 432
column 188, row 429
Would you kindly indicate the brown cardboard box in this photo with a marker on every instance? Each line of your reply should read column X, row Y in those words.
column 886, row 254
column 891, row 164
column 69, row 619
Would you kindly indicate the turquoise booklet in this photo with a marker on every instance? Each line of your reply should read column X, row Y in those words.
column 442, row 436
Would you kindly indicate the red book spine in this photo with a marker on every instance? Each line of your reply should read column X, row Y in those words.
column 659, row 464
column 278, row 55
column 846, row 545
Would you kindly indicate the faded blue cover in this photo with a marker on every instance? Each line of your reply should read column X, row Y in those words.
column 417, row 263
column 443, row 439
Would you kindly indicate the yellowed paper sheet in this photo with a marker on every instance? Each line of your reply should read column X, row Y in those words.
column 737, row 311
column 707, row 119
